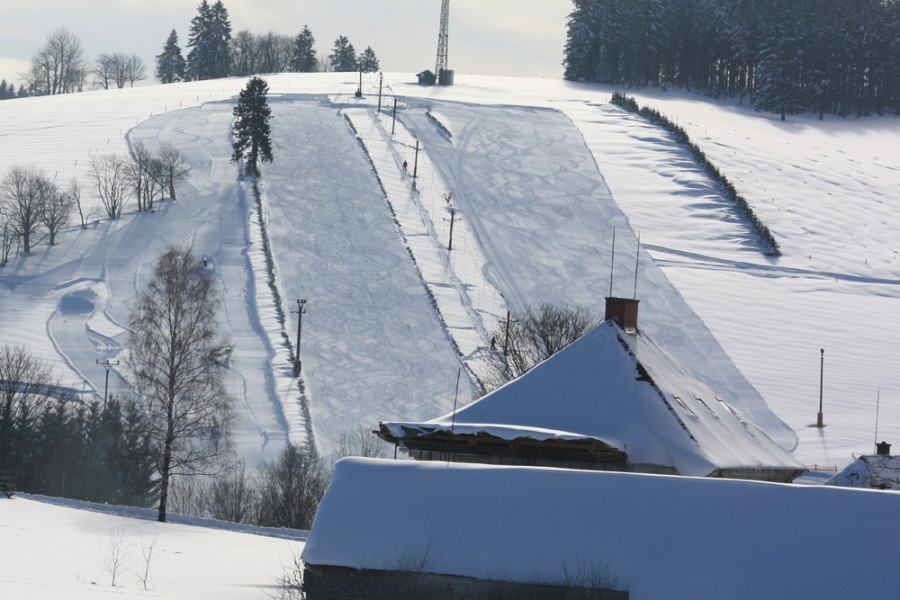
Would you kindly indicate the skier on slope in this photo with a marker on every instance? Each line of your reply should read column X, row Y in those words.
column 405, row 167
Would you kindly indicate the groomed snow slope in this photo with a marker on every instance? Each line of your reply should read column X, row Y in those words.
column 833, row 183
column 660, row 536
column 57, row 552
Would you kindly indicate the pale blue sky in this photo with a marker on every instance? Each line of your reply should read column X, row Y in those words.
column 513, row 37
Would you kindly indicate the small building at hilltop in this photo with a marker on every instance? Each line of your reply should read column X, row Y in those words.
column 613, row 400
column 879, row 471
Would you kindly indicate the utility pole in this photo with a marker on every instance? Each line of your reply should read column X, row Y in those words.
column 380, row 85
column 506, row 337
column 820, row 419
column 452, row 220
column 359, row 89
column 394, row 120
column 416, row 163
column 106, row 363
column 301, row 310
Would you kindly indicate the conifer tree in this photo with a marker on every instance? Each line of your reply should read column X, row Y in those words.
column 200, row 58
column 303, row 59
column 170, row 63
column 252, row 134
column 220, row 29
column 343, row 55
column 368, row 62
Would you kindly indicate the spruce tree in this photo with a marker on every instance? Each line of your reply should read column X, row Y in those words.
column 303, row 59
column 200, row 41
column 368, row 62
column 252, row 140
column 343, row 55
column 170, row 63
column 220, row 30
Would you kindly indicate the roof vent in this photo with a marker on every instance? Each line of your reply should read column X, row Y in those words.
column 883, row 449
column 624, row 311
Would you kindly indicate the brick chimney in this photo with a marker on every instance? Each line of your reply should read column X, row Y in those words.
column 624, row 311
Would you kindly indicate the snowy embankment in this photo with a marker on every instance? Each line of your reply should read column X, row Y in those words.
column 57, row 548
column 372, row 344
column 533, row 194
column 659, row 536
column 469, row 306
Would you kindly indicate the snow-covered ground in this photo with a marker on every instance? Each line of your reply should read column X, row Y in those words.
column 55, row 551
column 826, row 189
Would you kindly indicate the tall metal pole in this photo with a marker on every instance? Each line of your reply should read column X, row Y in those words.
column 637, row 265
column 452, row 220
column 380, row 85
column 394, row 120
column 506, row 338
column 301, row 309
column 612, row 264
column 106, row 365
column 416, row 164
column 820, row 420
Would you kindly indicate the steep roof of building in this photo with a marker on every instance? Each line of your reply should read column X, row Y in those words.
column 625, row 390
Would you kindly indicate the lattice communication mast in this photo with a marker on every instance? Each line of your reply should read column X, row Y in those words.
column 443, row 75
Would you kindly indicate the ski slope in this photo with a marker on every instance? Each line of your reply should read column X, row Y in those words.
column 56, row 550
column 826, row 189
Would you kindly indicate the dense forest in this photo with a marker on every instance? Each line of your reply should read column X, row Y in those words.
column 786, row 56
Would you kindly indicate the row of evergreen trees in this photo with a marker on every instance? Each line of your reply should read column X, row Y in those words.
column 788, row 56
column 8, row 91
column 214, row 53
column 74, row 450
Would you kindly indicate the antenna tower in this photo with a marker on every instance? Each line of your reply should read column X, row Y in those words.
column 443, row 36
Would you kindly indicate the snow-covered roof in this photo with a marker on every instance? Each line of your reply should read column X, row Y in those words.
column 874, row 471
column 661, row 536
column 625, row 390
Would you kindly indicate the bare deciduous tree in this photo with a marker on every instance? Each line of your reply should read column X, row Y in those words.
column 175, row 168
column 135, row 69
column 104, row 70
column 534, row 336
column 147, row 555
column 113, row 553
column 24, row 387
column 74, row 193
column 8, row 238
column 57, row 207
column 233, row 498
column 110, row 173
column 291, row 488
column 21, row 202
column 360, row 441
column 58, row 67
column 172, row 358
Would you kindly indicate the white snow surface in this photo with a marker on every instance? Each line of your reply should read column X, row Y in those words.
column 55, row 549
column 595, row 388
column 827, row 190
column 661, row 536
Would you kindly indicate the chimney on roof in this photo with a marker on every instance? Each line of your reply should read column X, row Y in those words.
column 883, row 449
column 624, row 311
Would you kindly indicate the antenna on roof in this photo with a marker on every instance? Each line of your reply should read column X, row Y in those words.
column 612, row 263
column 877, row 406
column 637, row 256
column 453, row 420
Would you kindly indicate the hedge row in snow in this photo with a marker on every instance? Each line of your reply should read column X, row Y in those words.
column 770, row 244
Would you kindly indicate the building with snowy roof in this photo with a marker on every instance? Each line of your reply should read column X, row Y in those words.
column 612, row 400
column 879, row 471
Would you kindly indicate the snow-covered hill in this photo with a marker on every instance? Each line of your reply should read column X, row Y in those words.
column 391, row 318
column 56, row 549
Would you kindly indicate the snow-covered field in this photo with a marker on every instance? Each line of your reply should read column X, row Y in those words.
column 374, row 347
column 62, row 551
